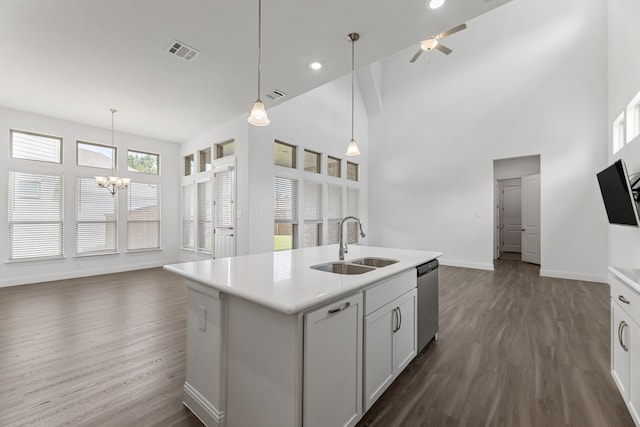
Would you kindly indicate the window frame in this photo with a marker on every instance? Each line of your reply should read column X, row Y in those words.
column 158, row 221
column 130, row 150
column 357, row 170
column 114, row 149
column 25, row 132
column 294, row 154
column 192, row 169
column 202, row 162
column 219, row 149
column 318, row 164
column 78, row 222
column 339, row 161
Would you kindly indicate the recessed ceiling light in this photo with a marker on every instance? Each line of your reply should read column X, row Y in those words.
column 434, row 4
column 315, row 65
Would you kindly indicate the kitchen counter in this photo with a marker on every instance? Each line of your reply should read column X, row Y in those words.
column 283, row 281
column 630, row 276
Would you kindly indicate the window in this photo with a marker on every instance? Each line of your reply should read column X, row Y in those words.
column 33, row 146
column 353, row 194
column 352, row 171
column 633, row 118
column 95, row 155
column 143, row 162
column 335, row 213
column 96, row 218
column 284, row 154
column 333, row 166
column 189, row 165
column 35, row 216
column 223, row 198
column 143, row 217
column 205, row 230
column 618, row 133
column 205, row 160
column 225, row 149
column 312, row 213
column 188, row 217
column 285, row 213
column 311, row 161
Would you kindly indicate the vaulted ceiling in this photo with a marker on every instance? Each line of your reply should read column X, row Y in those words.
column 75, row 59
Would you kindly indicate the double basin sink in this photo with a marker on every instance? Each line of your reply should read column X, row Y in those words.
column 355, row 266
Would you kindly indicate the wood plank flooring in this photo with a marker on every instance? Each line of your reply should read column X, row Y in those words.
column 514, row 349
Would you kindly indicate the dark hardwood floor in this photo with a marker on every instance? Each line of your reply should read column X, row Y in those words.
column 514, row 349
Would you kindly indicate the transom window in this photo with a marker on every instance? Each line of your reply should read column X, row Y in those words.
column 311, row 161
column 34, row 146
column 96, row 155
column 205, row 160
column 189, row 165
column 143, row 162
column 284, row 154
column 225, row 149
column 333, row 166
column 352, row 171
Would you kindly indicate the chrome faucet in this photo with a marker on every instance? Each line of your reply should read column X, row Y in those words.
column 342, row 242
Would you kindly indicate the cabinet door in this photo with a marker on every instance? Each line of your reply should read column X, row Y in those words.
column 378, row 353
column 620, row 355
column 404, row 337
column 332, row 391
column 634, row 370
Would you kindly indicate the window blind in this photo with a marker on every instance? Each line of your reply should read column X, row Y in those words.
column 334, row 204
column 143, row 216
column 35, row 216
column 223, row 198
column 285, row 200
column 353, row 195
column 31, row 146
column 204, row 216
column 188, row 217
column 312, row 213
column 96, row 218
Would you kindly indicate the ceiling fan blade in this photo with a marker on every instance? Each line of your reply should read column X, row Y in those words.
column 416, row 56
column 443, row 49
column 452, row 31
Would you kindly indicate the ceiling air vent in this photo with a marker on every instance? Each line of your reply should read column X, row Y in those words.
column 183, row 51
column 276, row 94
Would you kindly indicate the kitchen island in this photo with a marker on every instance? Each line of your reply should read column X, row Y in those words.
column 272, row 341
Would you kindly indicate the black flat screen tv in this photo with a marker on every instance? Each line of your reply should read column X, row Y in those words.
column 618, row 195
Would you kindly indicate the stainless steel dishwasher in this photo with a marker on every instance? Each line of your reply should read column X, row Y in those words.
column 427, row 303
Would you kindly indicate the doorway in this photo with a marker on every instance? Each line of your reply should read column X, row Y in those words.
column 517, row 209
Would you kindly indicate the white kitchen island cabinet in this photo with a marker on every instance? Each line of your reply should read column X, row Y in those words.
column 625, row 336
column 273, row 342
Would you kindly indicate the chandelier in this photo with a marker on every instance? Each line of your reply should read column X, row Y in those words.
column 112, row 182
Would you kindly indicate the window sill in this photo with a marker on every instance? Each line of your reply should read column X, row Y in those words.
column 27, row 260
column 95, row 254
column 140, row 251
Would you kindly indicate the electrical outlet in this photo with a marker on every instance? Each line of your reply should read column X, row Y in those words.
column 202, row 318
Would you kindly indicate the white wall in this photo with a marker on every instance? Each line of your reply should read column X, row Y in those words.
column 527, row 78
column 624, row 83
column 319, row 120
column 516, row 167
column 70, row 266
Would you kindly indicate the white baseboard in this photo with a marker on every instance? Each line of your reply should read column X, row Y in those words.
column 202, row 408
column 73, row 274
column 573, row 276
column 466, row 264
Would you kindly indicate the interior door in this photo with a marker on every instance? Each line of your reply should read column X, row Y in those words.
column 531, row 219
column 496, row 221
column 512, row 219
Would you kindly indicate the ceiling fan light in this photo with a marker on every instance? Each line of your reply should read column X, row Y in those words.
column 258, row 115
column 352, row 148
column 435, row 4
column 428, row 44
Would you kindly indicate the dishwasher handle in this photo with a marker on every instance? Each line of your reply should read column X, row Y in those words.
column 427, row 267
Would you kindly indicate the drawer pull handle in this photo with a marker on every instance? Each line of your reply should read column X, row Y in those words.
column 344, row 307
column 623, row 299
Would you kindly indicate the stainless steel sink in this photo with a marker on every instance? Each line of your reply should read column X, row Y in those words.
column 342, row 268
column 374, row 262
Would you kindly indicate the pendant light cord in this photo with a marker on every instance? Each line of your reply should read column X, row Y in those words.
column 352, row 82
column 259, row 43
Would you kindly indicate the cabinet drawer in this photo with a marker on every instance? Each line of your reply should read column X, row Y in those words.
column 620, row 293
column 387, row 290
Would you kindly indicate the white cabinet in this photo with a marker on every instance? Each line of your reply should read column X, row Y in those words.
column 625, row 343
column 390, row 333
column 333, row 364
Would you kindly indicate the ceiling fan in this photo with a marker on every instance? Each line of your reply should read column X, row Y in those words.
column 433, row 42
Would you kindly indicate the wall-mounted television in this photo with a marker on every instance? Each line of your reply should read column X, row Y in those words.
column 617, row 193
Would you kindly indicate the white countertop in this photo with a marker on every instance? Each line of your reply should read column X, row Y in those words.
column 284, row 281
column 630, row 276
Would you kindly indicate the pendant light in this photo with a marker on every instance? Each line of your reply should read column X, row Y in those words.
column 113, row 183
column 258, row 115
column 352, row 148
